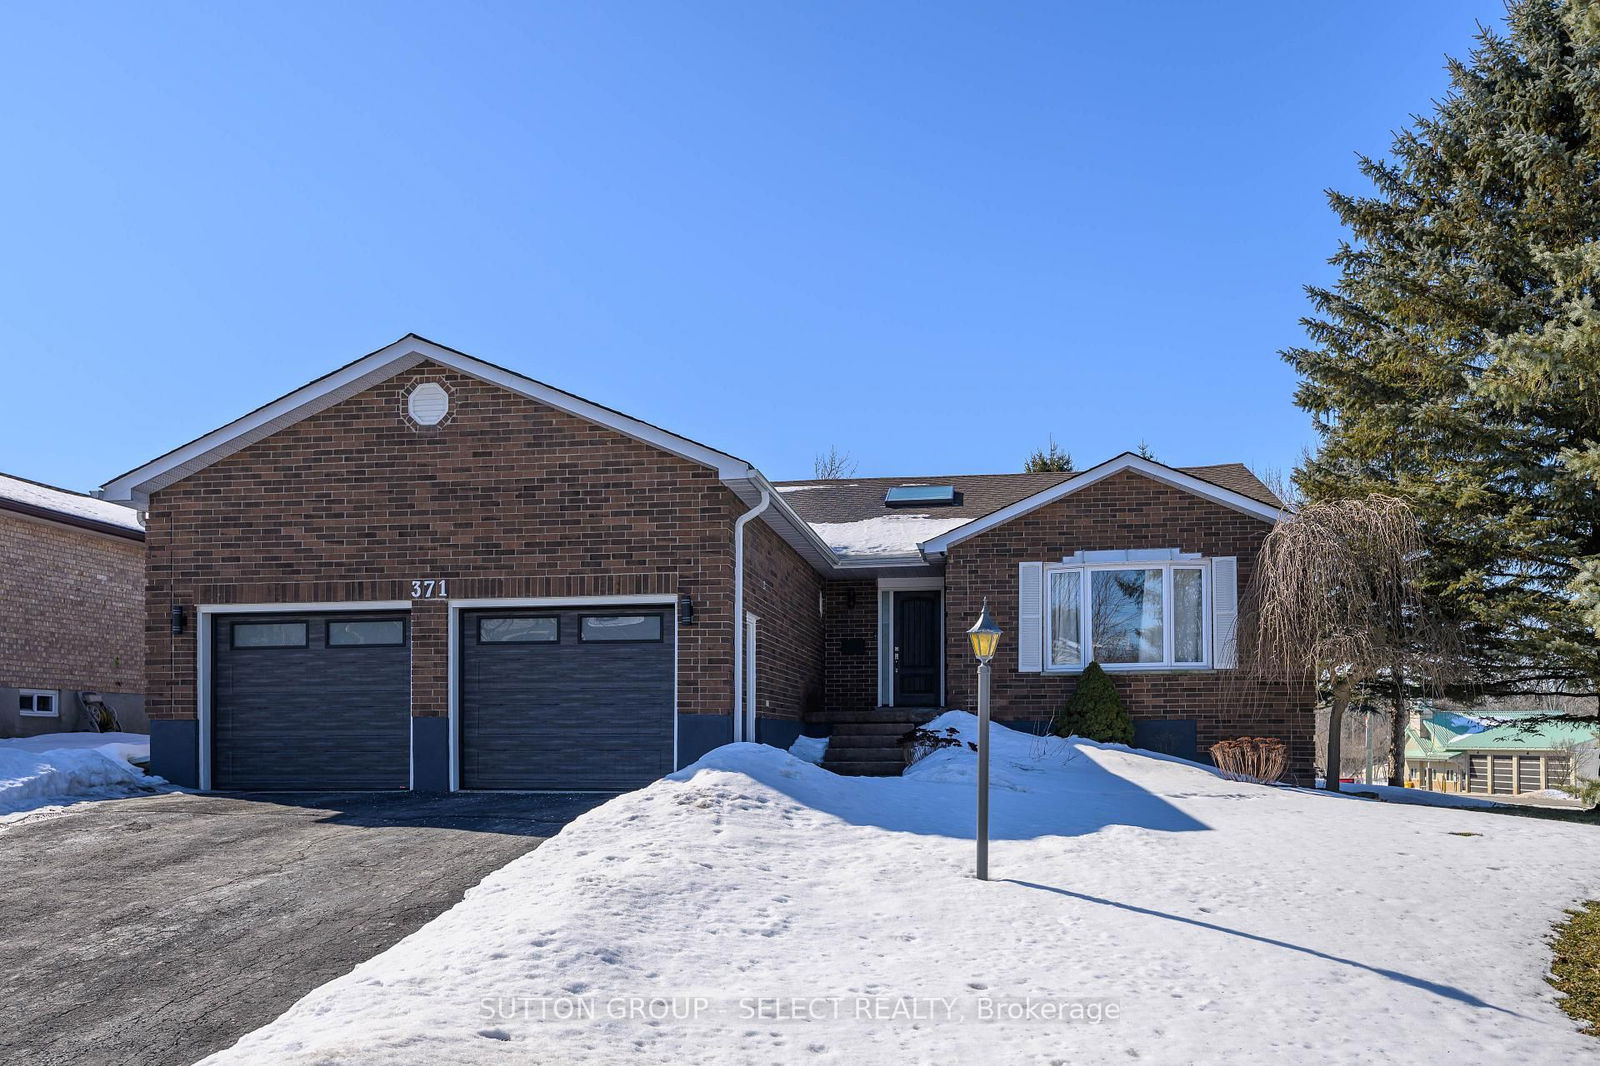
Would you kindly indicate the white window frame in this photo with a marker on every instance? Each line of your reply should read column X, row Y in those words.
column 55, row 702
column 1168, row 629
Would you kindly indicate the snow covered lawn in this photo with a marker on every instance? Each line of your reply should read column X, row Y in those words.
column 60, row 768
column 756, row 908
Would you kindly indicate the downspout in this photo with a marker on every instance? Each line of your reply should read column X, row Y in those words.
column 738, row 613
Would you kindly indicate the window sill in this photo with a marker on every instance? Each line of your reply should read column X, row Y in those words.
column 39, row 714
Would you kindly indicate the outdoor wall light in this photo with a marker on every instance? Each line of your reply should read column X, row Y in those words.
column 685, row 610
column 176, row 618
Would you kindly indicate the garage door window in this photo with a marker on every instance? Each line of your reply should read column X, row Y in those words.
column 368, row 633
column 620, row 628
column 269, row 634
column 519, row 629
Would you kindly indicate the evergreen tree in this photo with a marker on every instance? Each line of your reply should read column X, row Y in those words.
column 1094, row 711
column 1048, row 459
column 1456, row 360
column 1144, row 452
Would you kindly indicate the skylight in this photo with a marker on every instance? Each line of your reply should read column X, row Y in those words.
column 920, row 496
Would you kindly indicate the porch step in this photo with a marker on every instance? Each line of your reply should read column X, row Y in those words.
column 879, row 768
column 904, row 717
column 866, row 742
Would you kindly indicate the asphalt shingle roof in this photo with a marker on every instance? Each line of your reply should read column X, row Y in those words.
column 859, row 498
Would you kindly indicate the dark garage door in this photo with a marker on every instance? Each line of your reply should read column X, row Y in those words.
column 566, row 699
column 308, row 701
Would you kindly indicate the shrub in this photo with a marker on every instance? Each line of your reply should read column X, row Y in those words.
column 920, row 743
column 1575, row 969
column 1260, row 759
column 1094, row 711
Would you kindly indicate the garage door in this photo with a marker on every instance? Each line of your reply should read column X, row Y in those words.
column 566, row 699
column 307, row 701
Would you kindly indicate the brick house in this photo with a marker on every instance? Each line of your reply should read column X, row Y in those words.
column 424, row 570
column 72, row 580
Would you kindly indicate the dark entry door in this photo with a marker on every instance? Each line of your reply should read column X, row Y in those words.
column 918, row 634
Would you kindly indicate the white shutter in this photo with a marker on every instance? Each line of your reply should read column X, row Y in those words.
column 1224, row 611
column 1030, row 617
column 885, row 648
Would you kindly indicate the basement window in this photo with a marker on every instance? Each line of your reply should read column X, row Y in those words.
column 38, row 703
column 920, row 496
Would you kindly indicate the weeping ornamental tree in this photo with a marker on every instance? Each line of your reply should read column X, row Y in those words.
column 1336, row 595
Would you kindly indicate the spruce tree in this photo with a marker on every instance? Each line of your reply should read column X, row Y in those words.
column 1052, row 458
column 1094, row 711
column 1456, row 360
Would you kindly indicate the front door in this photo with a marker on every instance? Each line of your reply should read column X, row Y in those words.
column 918, row 635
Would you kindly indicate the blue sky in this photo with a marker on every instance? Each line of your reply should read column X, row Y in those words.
column 932, row 234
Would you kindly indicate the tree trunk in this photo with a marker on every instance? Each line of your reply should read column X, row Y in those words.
column 1397, row 731
column 1341, row 700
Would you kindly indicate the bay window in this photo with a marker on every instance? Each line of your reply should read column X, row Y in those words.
column 1147, row 615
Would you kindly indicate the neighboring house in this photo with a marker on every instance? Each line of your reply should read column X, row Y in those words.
column 1430, row 763
column 424, row 570
column 1508, row 753
column 72, row 581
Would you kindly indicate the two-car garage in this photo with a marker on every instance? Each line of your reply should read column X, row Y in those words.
column 545, row 697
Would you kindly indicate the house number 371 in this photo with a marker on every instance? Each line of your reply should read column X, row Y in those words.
column 429, row 589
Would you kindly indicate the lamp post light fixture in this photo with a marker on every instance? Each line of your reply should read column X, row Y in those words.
column 985, row 638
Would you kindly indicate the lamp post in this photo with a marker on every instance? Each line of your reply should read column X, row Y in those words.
column 985, row 637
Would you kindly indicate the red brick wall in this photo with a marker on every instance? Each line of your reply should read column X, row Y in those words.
column 850, row 611
column 74, row 608
column 508, row 497
column 782, row 590
column 1126, row 510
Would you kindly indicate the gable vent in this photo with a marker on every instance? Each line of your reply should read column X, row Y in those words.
column 428, row 403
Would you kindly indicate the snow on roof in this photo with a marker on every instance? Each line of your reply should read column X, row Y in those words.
column 68, row 503
column 884, row 537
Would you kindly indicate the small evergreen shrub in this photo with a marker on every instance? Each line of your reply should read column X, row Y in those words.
column 1094, row 711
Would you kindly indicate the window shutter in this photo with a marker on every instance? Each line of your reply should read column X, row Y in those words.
column 1030, row 617
column 1224, row 611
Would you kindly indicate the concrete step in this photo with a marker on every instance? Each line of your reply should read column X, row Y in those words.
column 888, row 730
column 864, row 740
column 866, row 715
column 881, row 768
column 863, row 754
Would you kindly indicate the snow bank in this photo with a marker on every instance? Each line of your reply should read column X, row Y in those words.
column 811, row 749
column 755, row 908
column 66, row 767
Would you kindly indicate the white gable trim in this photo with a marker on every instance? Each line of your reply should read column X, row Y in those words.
column 136, row 485
column 937, row 546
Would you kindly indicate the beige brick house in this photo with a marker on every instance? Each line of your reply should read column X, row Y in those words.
column 72, row 581
column 424, row 570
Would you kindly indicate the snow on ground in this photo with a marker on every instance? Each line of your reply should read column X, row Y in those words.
column 888, row 535
column 67, row 502
column 58, row 768
column 1421, row 797
column 755, row 908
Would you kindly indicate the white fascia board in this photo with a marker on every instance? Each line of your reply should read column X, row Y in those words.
column 937, row 546
column 809, row 537
column 136, row 485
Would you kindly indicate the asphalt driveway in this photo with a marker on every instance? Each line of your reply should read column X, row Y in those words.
column 154, row 931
